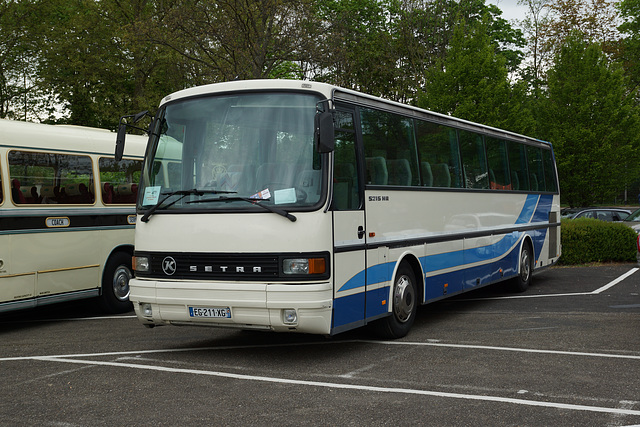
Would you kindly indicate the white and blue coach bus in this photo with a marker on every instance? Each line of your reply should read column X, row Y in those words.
column 301, row 206
column 67, row 215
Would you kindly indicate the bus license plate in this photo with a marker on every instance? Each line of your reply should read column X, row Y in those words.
column 216, row 313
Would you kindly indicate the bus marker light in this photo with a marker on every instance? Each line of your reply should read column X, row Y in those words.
column 384, row 302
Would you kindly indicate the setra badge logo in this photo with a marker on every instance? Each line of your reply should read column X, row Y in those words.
column 169, row 266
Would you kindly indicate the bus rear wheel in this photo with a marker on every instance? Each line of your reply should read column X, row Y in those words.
column 115, row 283
column 522, row 281
column 404, row 305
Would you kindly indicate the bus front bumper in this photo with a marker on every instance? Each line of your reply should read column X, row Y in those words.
column 287, row 307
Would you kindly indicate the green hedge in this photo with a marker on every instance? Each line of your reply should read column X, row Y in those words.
column 590, row 240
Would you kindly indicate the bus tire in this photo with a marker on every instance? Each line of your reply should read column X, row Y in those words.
column 522, row 281
column 115, row 283
column 404, row 300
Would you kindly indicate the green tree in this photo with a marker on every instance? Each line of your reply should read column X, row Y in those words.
column 236, row 39
column 591, row 121
column 20, row 96
column 630, row 12
column 472, row 82
column 357, row 49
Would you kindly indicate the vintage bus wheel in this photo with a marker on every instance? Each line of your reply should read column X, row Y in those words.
column 115, row 283
column 523, row 279
column 405, row 305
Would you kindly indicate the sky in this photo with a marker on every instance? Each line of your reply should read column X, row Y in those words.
column 510, row 9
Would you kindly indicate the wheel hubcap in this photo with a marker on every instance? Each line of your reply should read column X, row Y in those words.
column 403, row 299
column 121, row 283
column 525, row 266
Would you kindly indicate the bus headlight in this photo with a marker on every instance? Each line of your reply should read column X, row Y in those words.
column 140, row 263
column 304, row 266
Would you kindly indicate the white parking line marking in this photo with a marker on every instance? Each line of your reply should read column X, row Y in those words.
column 288, row 381
column 324, row 343
column 615, row 282
column 596, row 292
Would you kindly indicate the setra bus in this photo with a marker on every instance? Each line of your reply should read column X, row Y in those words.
column 67, row 215
column 301, row 206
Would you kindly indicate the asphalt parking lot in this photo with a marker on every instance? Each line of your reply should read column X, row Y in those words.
column 566, row 352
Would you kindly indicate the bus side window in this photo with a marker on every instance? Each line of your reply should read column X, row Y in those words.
column 474, row 161
column 499, row 178
column 439, row 154
column 390, row 149
column 119, row 180
column 536, row 171
column 518, row 166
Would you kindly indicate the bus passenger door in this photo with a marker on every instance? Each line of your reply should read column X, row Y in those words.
column 349, row 249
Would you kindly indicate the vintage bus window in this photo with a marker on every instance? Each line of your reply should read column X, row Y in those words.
column 50, row 178
column 549, row 171
column 518, row 166
column 474, row 163
column 499, row 178
column 119, row 180
column 1, row 198
column 536, row 169
column 439, row 155
column 390, row 149
column 345, row 186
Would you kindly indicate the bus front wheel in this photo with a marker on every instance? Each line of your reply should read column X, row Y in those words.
column 404, row 305
column 115, row 283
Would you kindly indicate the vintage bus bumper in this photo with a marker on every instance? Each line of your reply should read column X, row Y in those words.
column 279, row 307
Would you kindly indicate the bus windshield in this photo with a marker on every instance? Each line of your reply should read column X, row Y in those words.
column 221, row 152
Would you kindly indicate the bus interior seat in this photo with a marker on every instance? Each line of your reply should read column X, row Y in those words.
column 441, row 176
column 399, row 172
column 427, row 174
column 107, row 193
column 16, row 192
column 515, row 181
column 35, row 197
column 377, row 173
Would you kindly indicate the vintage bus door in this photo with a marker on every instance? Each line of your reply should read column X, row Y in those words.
column 349, row 249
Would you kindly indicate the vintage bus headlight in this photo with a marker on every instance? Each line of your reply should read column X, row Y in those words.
column 304, row 266
column 140, row 263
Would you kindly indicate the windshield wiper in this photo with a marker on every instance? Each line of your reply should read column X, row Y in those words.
column 273, row 209
column 183, row 194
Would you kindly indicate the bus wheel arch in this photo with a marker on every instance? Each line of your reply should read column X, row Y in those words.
column 116, row 275
column 405, row 298
column 526, row 263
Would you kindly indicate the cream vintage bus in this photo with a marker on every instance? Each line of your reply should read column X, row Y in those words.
column 67, row 215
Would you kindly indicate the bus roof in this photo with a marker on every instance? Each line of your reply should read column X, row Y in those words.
column 17, row 134
column 337, row 93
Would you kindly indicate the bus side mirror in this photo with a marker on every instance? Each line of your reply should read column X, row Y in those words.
column 324, row 132
column 122, row 132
